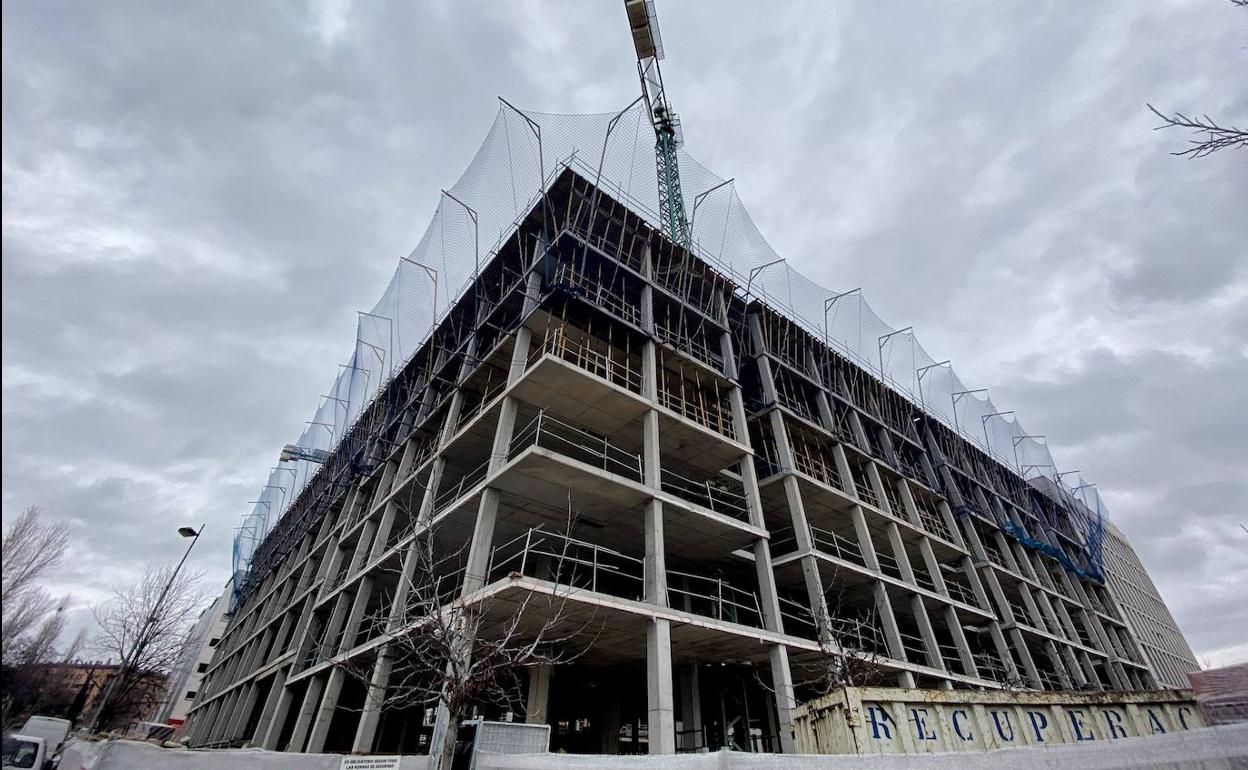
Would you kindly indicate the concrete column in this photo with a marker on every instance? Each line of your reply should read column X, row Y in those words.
column 229, row 710
column 934, row 658
column 863, row 533
column 242, row 710
column 1024, row 654
column 860, row 433
column 892, row 634
column 933, row 566
column 351, row 627
column 911, row 514
column 1035, row 618
column 370, row 715
column 1089, row 670
column 277, row 690
column 325, row 713
column 877, row 485
column 815, row 592
column 1003, row 652
column 843, row 469
column 690, row 709
column 1073, row 667
column 786, row 702
column 899, row 553
column 307, row 710
column 538, row 702
column 1059, row 665
column 272, row 728
column 659, row 697
column 954, row 624
column 482, row 542
column 952, row 523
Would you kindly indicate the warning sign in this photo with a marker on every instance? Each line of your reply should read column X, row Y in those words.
column 369, row 763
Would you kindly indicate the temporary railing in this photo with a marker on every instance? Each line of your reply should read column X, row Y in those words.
column 712, row 494
column 714, row 598
column 592, row 289
column 814, row 464
column 894, row 497
column 584, row 565
column 488, row 394
column 795, row 404
column 990, row 667
column 1081, row 631
column 888, row 564
column 911, row 468
column 693, row 402
column 602, row 360
column 1019, row 611
column 571, row 562
column 1050, row 679
column 862, row 487
column 602, row 244
column 949, row 654
column 961, row 592
column 858, row 633
column 916, row 650
column 569, row 440
column 694, row 348
column 670, row 280
column 922, row 578
column 841, row 547
column 798, row 619
column 456, row 490
column 934, row 523
column 993, row 554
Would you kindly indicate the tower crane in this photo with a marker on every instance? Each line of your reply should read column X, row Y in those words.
column 644, row 24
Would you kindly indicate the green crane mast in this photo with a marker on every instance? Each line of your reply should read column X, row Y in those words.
column 649, row 45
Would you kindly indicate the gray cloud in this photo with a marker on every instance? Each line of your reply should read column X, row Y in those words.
column 197, row 199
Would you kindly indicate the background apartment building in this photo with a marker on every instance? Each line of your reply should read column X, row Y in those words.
column 1164, row 646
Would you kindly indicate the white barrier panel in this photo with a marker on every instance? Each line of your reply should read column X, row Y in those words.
column 135, row 755
column 888, row 720
column 1209, row 748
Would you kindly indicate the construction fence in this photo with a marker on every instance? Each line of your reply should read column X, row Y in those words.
column 1208, row 748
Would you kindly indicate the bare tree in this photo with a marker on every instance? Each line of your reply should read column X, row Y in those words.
column 147, row 634
column 32, row 618
column 851, row 641
column 453, row 653
column 1211, row 136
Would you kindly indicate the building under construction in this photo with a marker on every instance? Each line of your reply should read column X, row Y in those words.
column 766, row 478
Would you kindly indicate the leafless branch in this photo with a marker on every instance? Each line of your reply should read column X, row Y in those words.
column 458, row 652
column 1212, row 136
column 32, row 548
column 123, row 619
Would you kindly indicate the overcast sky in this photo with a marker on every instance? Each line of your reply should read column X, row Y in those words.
column 198, row 197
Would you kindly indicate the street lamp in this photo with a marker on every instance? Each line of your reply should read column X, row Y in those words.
column 144, row 637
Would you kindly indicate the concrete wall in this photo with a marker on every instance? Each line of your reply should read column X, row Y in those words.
column 1209, row 748
column 906, row 721
column 134, row 755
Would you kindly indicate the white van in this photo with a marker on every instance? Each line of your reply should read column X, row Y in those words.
column 24, row 752
column 51, row 729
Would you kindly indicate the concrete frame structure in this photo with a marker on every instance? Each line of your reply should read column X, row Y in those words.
column 750, row 502
column 1154, row 628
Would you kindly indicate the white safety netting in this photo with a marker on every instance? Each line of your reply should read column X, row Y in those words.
column 522, row 153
